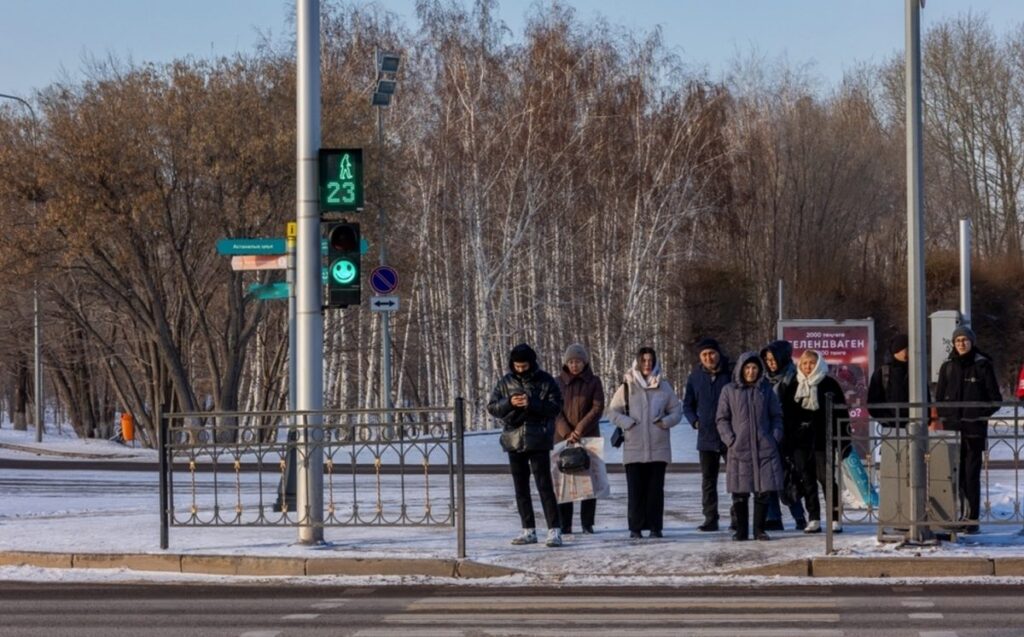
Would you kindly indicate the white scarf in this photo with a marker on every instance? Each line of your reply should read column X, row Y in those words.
column 807, row 386
column 651, row 382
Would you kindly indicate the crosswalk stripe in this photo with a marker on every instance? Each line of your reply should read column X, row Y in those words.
column 567, row 618
column 646, row 603
column 606, row 632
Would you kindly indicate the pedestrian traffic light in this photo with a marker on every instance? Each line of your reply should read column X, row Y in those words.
column 343, row 271
column 341, row 179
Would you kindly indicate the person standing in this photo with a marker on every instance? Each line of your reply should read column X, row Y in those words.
column 582, row 406
column 890, row 383
column 780, row 373
column 749, row 420
column 806, row 431
column 527, row 401
column 700, row 405
column 968, row 376
column 653, row 408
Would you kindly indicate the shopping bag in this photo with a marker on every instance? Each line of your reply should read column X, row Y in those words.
column 857, row 482
column 592, row 484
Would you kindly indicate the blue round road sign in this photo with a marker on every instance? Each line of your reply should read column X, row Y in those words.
column 384, row 279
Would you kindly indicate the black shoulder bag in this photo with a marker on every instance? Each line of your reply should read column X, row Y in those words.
column 619, row 436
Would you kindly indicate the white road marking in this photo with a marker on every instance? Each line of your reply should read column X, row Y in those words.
column 938, row 633
column 925, row 615
column 917, row 603
column 261, row 633
column 302, row 616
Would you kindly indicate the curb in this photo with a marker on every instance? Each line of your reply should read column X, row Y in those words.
column 883, row 567
column 255, row 566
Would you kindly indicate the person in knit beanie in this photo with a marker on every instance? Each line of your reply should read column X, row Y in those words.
column 582, row 407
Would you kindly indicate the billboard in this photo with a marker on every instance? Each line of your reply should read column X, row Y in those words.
column 849, row 349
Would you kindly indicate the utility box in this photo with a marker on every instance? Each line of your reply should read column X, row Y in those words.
column 943, row 322
column 894, row 482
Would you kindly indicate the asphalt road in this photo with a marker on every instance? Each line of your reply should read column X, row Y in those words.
column 276, row 610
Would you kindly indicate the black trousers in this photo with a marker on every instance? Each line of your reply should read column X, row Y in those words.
column 813, row 473
column 741, row 509
column 645, row 494
column 588, row 508
column 710, row 464
column 521, row 465
column 972, row 449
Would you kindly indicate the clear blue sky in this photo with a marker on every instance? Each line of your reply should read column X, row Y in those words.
column 40, row 40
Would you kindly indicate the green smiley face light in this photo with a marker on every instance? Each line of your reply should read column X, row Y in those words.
column 343, row 271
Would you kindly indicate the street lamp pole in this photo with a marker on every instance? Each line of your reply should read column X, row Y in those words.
column 37, row 379
column 387, row 69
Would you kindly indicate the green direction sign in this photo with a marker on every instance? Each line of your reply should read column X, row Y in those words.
column 270, row 291
column 237, row 246
column 341, row 179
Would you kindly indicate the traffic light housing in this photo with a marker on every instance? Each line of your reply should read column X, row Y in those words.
column 343, row 271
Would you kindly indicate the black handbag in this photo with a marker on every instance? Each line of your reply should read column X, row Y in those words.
column 513, row 439
column 573, row 460
column 619, row 436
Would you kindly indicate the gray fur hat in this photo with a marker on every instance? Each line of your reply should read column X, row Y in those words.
column 576, row 351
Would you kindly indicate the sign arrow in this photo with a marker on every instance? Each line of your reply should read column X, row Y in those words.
column 384, row 303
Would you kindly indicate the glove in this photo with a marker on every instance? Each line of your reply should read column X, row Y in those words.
column 695, row 424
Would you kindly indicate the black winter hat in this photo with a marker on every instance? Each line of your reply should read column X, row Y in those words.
column 899, row 343
column 965, row 330
column 522, row 353
column 707, row 343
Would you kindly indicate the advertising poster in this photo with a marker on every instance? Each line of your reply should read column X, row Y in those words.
column 849, row 348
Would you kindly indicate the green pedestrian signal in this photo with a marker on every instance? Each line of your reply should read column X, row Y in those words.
column 341, row 179
column 342, row 285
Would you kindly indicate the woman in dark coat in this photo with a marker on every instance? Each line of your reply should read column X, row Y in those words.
column 806, row 429
column 749, row 421
column 582, row 406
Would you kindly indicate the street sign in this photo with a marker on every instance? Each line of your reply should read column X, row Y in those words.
column 384, row 279
column 259, row 262
column 251, row 246
column 384, row 303
column 278, row 290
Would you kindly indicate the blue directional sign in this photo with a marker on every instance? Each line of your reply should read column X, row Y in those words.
column 384, row 279
column 278, row 290
column 238, row 246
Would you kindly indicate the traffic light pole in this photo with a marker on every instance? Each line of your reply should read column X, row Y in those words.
column 309, row 319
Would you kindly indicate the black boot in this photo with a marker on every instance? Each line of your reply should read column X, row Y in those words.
column 760, row 515
column 740, row 516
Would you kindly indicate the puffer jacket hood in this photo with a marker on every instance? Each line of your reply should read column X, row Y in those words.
column 782, row 351
column 737, row 371
column 523, row 353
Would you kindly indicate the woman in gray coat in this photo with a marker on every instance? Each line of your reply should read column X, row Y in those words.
column 749, row 421
column 645, row 406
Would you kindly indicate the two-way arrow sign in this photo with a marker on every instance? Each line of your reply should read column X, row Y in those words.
column 383, row 303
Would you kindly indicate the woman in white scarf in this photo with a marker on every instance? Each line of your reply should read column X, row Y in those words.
column 804, row 406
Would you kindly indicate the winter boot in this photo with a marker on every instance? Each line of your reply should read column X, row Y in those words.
column 554, row 538
column 528, row 536
column 710, row 524
column 760, row 513
column 813, row 526
column 741, row 516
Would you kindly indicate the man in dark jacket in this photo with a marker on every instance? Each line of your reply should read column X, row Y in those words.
column 527, row 400
column 891, row 384
column 780, row 373
column 968, row 376
column 700, row 405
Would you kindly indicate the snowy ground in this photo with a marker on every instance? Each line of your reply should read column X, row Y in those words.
column 116, row 512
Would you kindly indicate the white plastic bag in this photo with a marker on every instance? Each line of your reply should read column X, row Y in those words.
column 582, row 486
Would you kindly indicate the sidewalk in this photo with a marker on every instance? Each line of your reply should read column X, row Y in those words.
column 96, row 523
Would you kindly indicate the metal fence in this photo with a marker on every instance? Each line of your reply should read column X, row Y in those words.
column 883, row 452
column 396, row 468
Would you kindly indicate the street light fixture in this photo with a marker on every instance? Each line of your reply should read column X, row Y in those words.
column 37, row 380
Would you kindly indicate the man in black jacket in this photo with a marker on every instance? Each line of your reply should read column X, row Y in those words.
column 968, row 376
column 891, row 384
column 527, row 400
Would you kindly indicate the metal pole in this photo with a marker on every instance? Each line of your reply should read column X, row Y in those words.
column 385, row 317
column 965, row 271
column 165, row 469
column 37, row 374
column 309, row 320
column 781, row 314
column 460, row 452
column 919, row 530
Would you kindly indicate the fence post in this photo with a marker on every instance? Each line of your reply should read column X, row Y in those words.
column 460, row 468
column 829, row 472
column 165, row 468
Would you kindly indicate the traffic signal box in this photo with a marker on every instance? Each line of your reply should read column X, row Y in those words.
column 343, row 271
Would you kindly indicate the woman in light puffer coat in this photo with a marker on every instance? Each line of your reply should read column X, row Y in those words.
column 750, row 423
column 653, row 409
